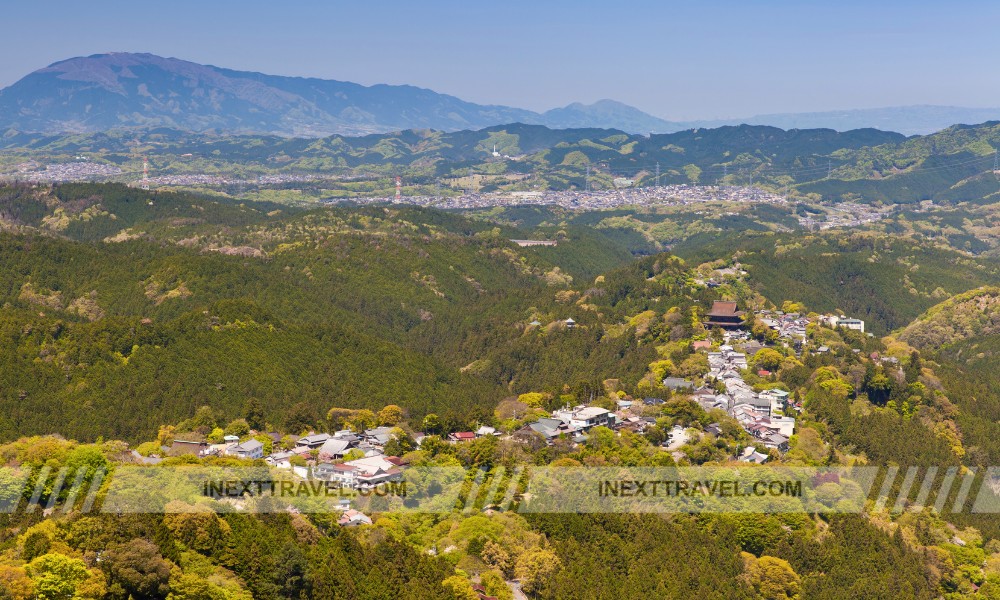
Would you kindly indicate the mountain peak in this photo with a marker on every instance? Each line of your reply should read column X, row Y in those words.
column 616, row 115
column 126, row 89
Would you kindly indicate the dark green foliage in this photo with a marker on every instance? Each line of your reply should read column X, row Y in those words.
column 883, row 436
column 35, row 545
column 884, row 280
column 359, row 308
column 136, row 570
column 633, row 556
column 856, row 560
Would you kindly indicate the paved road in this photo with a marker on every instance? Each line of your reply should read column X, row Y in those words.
column 515, row 588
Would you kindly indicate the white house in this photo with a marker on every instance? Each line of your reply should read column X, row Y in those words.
column 367, row 471
column 582, row 418
column 280, row 460
column 249, row 449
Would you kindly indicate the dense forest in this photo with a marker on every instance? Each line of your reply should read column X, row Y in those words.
column 129, row 318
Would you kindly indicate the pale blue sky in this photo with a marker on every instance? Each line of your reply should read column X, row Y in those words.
column 677, row 60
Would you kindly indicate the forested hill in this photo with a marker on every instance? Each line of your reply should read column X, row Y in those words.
column 145, row 306
column 887, row 280
column 145, row 316
column 953, row 165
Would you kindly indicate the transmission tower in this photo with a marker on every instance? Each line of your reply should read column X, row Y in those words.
column 996, row 161
column 145, row 173
column 829, row 168
column 657, row 174
column 588, row 178
column 399, row 187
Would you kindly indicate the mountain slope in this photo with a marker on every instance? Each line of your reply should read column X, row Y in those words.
column 105, row 91
column 190, row 301
column 885, row 280
column 610, row 114
column 972, row 314
column 115, row 90
column 908, row 120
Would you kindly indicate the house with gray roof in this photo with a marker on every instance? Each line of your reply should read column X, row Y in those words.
column 334, row 448
column 312, row 441
column 249, row 449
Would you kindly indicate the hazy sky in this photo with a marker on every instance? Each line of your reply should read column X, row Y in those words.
column 677, row 60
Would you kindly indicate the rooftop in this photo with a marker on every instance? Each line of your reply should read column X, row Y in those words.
column 722, row 308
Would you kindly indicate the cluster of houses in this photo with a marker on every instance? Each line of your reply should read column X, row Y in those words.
column 789, row 326
column 758, row 413
column 322, row 455
column 573, row 422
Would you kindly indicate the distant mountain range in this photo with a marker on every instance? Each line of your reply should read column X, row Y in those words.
column 108, row 91
column 908, row 120
column 125, row 90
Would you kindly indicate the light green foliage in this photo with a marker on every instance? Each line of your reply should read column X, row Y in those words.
column 535, row 567
column 772, row 577
column 767, row 358
column 56, row 576
column 239, row 428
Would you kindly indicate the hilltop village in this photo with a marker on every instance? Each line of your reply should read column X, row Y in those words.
column 369, row 448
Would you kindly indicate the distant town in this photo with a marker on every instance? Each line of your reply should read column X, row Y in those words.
column 847, row 214
column 589, row 200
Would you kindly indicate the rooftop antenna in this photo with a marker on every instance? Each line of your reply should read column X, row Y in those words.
column 145, row 173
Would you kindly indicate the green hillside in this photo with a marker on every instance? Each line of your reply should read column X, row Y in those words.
column 885, row 280
column 124, row 313
column 164, row 302
column 953, row 165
